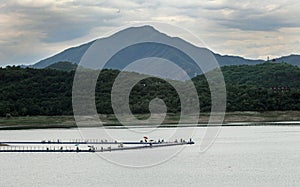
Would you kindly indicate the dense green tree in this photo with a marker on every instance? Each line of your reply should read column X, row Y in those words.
column 262, row 87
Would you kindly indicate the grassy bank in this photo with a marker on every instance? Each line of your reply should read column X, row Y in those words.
column 35, row 122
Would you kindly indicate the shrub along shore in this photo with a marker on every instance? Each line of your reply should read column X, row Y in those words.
column 109, row 120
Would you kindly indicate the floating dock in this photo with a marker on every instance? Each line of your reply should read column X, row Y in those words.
column 90, row 146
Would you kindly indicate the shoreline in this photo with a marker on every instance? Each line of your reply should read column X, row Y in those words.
column 270, row 118
column 253, row 124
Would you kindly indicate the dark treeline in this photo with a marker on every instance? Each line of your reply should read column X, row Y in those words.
column 263, row 87
column 35, row 92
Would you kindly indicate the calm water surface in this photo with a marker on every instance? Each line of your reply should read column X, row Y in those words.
column 240, row 156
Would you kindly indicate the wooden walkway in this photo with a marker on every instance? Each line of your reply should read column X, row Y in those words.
column 46, row 147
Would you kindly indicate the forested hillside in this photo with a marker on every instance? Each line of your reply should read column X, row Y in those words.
column 262, row 87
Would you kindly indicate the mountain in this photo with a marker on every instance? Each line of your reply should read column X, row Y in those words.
column 226, row 60
column 63, row 66
column 124, row 57
column 73, row 55
column 291, row 59
column 142, row 50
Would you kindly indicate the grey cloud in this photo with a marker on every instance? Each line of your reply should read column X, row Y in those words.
column 257, row 19
column 256, row 23
column 247, row 15
column 67, row 22
column 49, row 23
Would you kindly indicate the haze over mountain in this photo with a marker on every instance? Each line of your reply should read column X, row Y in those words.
column 125, row 57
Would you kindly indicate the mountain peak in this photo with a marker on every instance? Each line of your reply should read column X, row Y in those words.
column 143, row 28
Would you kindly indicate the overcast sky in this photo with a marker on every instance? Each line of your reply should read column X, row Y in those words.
column 31, row 30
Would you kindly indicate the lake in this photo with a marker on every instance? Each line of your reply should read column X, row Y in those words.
column 240, row 156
